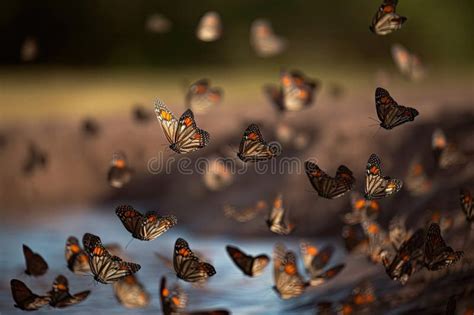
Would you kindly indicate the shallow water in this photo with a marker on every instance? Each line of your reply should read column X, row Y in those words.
column 229, row 288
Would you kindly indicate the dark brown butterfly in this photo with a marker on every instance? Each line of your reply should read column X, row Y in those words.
column 376, row 185
column 361, row 208
column 24, row 298
column 35, row 264
column 389, row 112
column 119, row 172
column 250, row 265
column 36, row 159
column 145, row 227
column 327, row 186
column 315, row 262
column 437, row 254
column 254, row 148
column 354, row 238
column 76, row 258
column 288, row 281
column 173, row 301
column 189, row 267
column 386, row 20
column 201, row 96
column 466, row 204
column 60, row 296
column 131, row 293
column 105, row 267
column 277, row 221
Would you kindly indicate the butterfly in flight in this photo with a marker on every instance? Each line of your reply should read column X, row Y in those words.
column 250, row 265
column 355, row 239
column 465, row 198
column 36, row 159
column 254, row 148
column 131, row 293
column 417, row 181
column 35, row 264
column 361, row 208
column 437, row 254
column 264, row 40
column 389, row 112
column 201, row 96
column 408, row 63
column 315, row 260
column 326, row 186
column 145, row 227
column 105, row 267
column 247, row 214
column 210, row 27
column 360, row 299
column 183, row 135
column 277, row 222
column 25, row 299
column 446, row 153
column 76, row 258
column 188, row 266
column 60, row 296
column 174, row 300
column 119, row 172
column 386, row 20
column 377, row 236
column 376, row 185
column 288, row 281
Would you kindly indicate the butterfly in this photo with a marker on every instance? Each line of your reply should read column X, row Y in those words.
column 201, row 96
column 386, row 20
column 437, row 254
column 409, row 64
column 131, row 293
column 105, row 267
column 377, row 238
column 264, row 41
column 250, row 265
column 35, row 264
column 90, row 127
column 76, row 258
column 326, row 186
column 218, row 174
column 355, row 239
column 119, row 172
column 316, row 260
column 389, row 112
column 277, row 222
column 24, row 298
column 288, row 282
column 247, row 214
column 36, row 159
column 60, row 296
column 210, row 27
column 376, row 185
column 295, row 93
column 141, row 114
column 361, row 208
column 158, row 23
column 446, row 154
column 253, row 148
column 173, row 301
column 145, row 227
column 187, row 266
column 417, row 181
column 183, row 135
column 397, row 231
column 359, row 301
column 466, row 204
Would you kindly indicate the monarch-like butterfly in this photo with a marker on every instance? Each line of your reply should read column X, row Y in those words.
column 201, row 96
column 389, row 112
column 183, row 135
column 247, row 214
column 105, row 267
column 254, row 148
column 173, row 301
column 397, row 232
column 119, row 172
column 316, row 260
column 355, row 239
column 24, row 298
column 376, row 185
column 60, row 296
column 145, row 227
column 264, row 41
column 35, row 264
column 277, row 221
column 377, row 239
column 446, row 154
column 361, row 208
column 326, row 186
column 466, row 204
column 210, row 27
column 408, row 63
column 131, row 293
column 386, row 20
column 189, row 267
column 250, row 265
column 76, row 258
column 288, row 282
column 437, row 254
column 417, row 181
column 36, row 159
column 218, row 175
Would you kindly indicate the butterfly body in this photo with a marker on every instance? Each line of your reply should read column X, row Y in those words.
column 60, row 296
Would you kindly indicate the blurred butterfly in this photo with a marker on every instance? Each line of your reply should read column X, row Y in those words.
column 210, row 27
column 361, row 208
column 35, row 264
column 355, row 239
column 158, row 23
column 201, row 96
column 386, row 20
column 25, row 299
column 409, row 64
column 444, row 220
column 250, row 265
column 446, row 154
column 437, row 254
column 326, row 186
column 466, row 204
column 173, row 301
column 76, row 258
column 376, row 185
column 141, row 115
column 189, row 267
column 315, row 261
column 105, row 267
column 397, row 231
column 29, row 49
column 295, row 93
column 288, row 282
column 90, row 127
column 389, row 112
column 119, row 172
column 247, row 214
column 183, row 135
column 292, row 137
column 60, row 296
column 277, row 221
column 145, row 227
column 131, row 293
column 253, row 148
column 264, row 41
column 36, row 159
column 377, row 239
column 218, row 174
column 417, row 181
column 360, row 299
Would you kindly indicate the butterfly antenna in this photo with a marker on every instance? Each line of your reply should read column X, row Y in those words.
column 377, row 121
column 129, row 243
column 375, row 133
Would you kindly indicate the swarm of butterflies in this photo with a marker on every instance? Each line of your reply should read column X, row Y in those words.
column 400, row 251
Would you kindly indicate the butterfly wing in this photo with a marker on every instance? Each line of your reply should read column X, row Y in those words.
column 317, row 280
column 60, row 296
column 152, row 225
column 35, row 264
column 172, row 300
column 288, row 282
column 437, row 254
column 188, row 267
column 168, row 122
column 466, row 204
column 189, row 137
column 131, row 293
column 389, row 112
column 24, row 298
column 377, row 186
column 243, row 261
column 76, row 258
column 252, row 146
column 131, row 219
column 386, row 20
